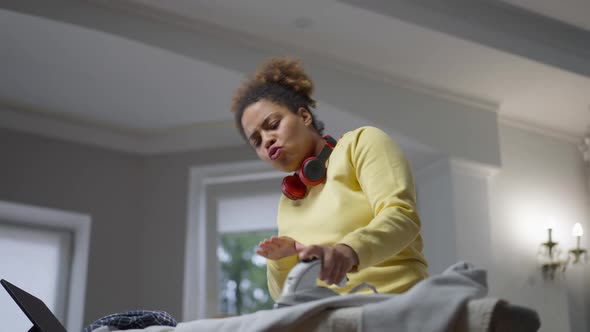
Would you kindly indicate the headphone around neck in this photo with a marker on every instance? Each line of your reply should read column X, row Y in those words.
column 311, row 173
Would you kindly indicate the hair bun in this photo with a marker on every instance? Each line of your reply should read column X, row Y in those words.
column 287, row 72
column 280, row 80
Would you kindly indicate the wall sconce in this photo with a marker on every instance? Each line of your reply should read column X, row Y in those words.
column 550, row 258
column 577, row 252
column 550, row 254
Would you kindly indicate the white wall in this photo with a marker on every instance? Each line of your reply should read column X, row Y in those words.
column 495, row 217
column 540, row 177
column 103, row 184
column 437, row 213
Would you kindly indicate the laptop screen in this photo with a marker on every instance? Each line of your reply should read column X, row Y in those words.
column 37, row 312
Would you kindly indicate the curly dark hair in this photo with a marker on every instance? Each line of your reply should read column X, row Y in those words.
column 281, row 80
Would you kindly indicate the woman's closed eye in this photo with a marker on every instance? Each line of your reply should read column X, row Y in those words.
column 255, row 142
column 274, row 125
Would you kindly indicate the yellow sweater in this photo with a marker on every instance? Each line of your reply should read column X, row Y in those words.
column 367, row 202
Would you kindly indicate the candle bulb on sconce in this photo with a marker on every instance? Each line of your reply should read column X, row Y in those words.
column 577, row 231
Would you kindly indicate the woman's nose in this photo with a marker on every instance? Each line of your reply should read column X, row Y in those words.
column 268, row 140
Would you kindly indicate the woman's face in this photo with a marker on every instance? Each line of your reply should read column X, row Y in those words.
column 279, row 136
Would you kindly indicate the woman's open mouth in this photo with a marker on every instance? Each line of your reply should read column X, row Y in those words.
column 274, row 152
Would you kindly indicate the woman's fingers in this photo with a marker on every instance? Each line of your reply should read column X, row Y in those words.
column 335, row 264
column 265, row 248
column 262, row 253
column 299, row 247
column 311, row 252
column 264, row 242
column 266, row 245
column 328, row 265
column 333, row 267
column 277, row 247
column 342, row 270
column 335, row 260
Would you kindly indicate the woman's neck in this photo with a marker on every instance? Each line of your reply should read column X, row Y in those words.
column 321, row 142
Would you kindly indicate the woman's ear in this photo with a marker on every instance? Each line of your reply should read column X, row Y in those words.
column 306, row 116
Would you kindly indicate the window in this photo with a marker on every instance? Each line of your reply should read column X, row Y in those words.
column 242, row 276
column 231, row 206
column 26, row 254
column 245, row 217
column 45, row 252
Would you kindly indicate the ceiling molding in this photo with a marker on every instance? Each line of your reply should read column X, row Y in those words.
column 537, row 128
column 49, row 126
column 495, row 24
column 176, row 139
column 29, row 111
column 108, row 127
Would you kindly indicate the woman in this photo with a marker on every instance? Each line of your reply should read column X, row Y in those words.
column 360, row 219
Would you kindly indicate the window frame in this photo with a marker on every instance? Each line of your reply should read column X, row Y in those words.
column 200, row 289
column 79, row 225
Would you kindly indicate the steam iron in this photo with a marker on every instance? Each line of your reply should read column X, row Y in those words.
column 301, row 285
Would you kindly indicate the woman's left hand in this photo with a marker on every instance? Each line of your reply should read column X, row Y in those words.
column 337, row 260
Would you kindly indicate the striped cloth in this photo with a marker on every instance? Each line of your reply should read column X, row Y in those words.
column 135, row 319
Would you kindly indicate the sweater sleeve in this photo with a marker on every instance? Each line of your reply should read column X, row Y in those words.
column 384, row 176
column 276, row 273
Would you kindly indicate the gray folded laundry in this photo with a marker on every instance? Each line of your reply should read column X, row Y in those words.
column 134, row 319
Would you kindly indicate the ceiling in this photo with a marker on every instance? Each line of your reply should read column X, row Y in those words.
column 574, row 12
column 151, row 76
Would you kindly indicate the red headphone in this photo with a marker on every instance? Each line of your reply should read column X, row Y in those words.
column 311, row 173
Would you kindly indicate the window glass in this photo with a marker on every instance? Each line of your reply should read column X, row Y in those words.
column 242, row 276
column 246, row 215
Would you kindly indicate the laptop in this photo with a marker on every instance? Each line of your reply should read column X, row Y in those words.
column 42, row 318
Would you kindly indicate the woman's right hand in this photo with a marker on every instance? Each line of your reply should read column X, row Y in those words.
column 279, row 247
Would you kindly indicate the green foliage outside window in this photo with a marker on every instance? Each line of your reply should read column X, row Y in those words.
column 242, row 284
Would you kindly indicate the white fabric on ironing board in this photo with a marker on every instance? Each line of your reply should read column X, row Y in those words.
column 432, row 305
column 436, row 304
column 476, row 318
